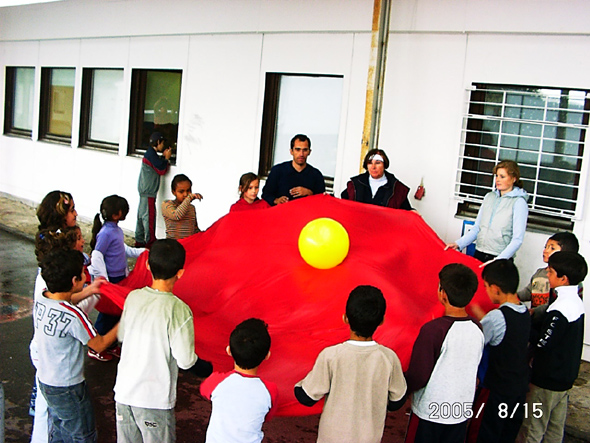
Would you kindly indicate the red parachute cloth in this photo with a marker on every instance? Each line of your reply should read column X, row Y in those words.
column 248, row 264
column 108, row 306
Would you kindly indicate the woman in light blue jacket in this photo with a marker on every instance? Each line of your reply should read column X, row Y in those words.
column 501, row 221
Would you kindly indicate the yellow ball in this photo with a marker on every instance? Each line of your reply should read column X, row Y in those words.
column 323, row 243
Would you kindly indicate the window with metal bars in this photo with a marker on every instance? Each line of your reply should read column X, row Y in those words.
column 543, row 129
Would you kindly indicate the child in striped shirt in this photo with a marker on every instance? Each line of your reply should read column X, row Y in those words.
column 179, row 215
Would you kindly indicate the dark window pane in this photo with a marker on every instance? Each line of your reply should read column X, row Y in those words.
column 155, row 107
column 19, row 96
column 57, row 103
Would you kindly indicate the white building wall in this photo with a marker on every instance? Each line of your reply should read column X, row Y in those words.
column 437, row 49
column 221, row 123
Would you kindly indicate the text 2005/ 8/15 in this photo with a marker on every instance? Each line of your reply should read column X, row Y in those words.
column 465, row 410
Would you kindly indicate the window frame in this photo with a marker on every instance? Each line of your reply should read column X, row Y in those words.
column 541, row 217
column 270, row 115
column 44, row 104
column 137, row 109
column 86, row 110
column 9, row 103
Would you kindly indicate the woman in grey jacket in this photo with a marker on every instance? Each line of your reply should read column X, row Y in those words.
column 501, row 221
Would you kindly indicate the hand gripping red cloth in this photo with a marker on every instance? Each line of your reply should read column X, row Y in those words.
column 248, row 264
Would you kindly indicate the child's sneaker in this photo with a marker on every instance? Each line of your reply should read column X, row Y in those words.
column 100, row 356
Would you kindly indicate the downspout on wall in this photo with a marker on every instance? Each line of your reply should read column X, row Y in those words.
column 375, row 77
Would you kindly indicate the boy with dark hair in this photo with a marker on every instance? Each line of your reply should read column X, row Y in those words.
column 153, row 167
column 249, row 343
column 506, row 331
column 145, row 388
column 557, row 353
column 537, row 291
column 61, row 332
column 242, row 401
column 179, row 214
column 444, row 362
column 360, row 378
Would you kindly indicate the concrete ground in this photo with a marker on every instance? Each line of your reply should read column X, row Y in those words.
column 18, row 268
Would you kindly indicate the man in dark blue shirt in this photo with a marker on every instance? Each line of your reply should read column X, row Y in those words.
column 296, row 178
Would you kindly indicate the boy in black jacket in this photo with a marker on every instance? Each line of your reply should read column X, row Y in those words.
column 506, row 331
column 557, row 353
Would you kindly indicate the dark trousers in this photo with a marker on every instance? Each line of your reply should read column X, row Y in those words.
column 502, row 418
column 483, row 256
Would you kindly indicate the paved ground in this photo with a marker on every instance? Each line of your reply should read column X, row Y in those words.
column 18, row 225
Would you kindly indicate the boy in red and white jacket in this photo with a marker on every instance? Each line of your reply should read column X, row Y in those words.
column 242, row 401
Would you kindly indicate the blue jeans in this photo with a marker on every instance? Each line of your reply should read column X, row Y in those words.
column 70, row 413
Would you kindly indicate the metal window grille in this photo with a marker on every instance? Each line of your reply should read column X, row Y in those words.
column 542, row 129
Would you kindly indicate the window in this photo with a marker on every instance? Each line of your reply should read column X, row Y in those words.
column 544, row 131
column 57, row 103
column 155, row 107
column 301, row 104
column 102, row 103
column 18, row 111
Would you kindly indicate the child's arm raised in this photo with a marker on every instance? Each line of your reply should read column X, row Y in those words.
column 477, row 311
column 157, row 163
column 169, row 210
column 131, row 252
column 101, row 342
column 91, row 289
